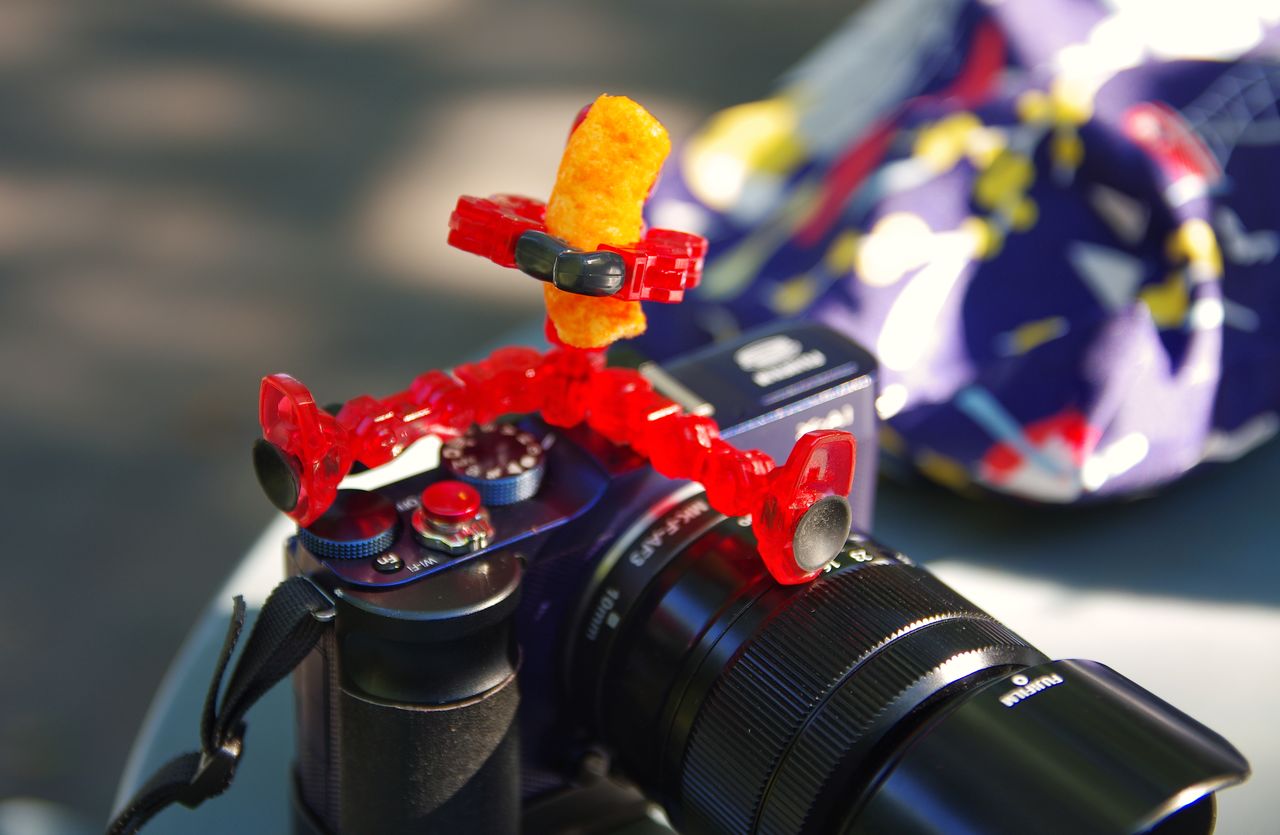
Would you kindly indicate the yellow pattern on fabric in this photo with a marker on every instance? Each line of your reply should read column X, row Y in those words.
column 1032, row 335
column 1062, row 110
column 1167, row 301
column 891, row 441
column 842, row 252
column 941, row 145
column 760, row 137
column 1003, row 184
column 1195, row 243
column 943, row 469
column 988, row 237
column 793, row 295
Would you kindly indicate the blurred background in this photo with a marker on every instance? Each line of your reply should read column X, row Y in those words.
column 193, row 195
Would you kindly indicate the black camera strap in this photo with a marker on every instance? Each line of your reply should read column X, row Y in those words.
column 290, row 623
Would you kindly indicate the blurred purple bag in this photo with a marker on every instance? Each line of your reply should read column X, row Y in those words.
column 1055, row 223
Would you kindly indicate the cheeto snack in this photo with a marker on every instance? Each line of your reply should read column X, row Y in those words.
column 586, row 322
column 609, row 166
column 588, row 242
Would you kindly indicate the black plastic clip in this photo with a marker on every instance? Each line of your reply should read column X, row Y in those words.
column 547, row 258
column 216, row 770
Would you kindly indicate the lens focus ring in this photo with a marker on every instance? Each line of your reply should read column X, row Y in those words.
column 851, row 721
column 817, row 687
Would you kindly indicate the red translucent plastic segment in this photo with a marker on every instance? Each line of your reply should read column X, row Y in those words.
column 606, row 400
column 824, row 460
column 491, row 226
column 428, row 387
column 674, row 243
column 716, row 458
column 580, row 118
column 774, row 527
column 553, row 335
column 736, row 480
column 505, row 382
column 434, row 405
column 410, row 422
column 648, row 415
column 568, row 373
column 291, row 420
column 319, row 485
column 371, row 425
column 687, row 440
column 821, row 464
column 313, row 501
column 662, row 266
column 711, row 469
column 288, row 414
column 519, row 206
column 442, row 404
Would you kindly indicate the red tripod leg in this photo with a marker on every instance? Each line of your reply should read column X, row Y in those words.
column 803, row 517
column 304, row 452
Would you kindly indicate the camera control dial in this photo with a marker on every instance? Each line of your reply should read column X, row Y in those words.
column 501, row 461
column 358, row 524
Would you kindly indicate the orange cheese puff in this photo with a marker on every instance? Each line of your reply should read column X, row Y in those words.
column 608, row 167
column 607, row 170
column 592, row 321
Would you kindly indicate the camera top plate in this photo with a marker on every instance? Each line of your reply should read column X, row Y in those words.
column 560, row 501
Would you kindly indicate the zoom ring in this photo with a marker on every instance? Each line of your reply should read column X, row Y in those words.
column 800, row 665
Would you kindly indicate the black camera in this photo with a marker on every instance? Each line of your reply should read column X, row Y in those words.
column 522, row 652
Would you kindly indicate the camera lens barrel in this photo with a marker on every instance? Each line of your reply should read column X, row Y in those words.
column 830, row 679
column 747, row 707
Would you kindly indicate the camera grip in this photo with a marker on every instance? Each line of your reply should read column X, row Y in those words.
column 407, row 709
column 431, row 769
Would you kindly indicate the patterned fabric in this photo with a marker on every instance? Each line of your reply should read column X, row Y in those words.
column 1053, row 221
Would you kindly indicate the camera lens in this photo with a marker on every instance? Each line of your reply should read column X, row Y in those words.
column 874, row 699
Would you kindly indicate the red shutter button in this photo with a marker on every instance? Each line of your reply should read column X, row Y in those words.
column 451, row 518
column 450, row 503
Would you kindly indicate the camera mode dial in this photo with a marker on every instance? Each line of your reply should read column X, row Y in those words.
column 501, row 461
